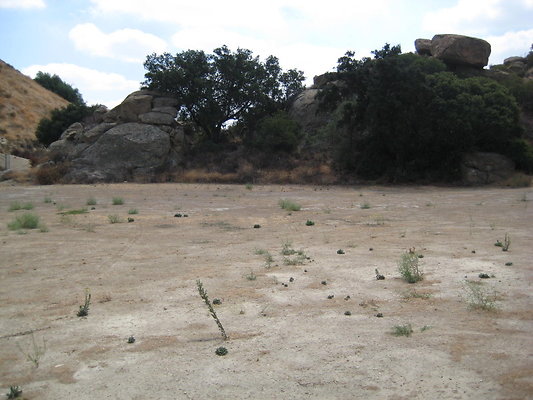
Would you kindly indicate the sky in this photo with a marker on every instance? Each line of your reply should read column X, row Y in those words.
column 99, row 46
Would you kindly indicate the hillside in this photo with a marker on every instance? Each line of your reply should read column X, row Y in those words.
column 23, row 103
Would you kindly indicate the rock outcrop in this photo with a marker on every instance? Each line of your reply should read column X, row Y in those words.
column 138, row 137
column 456, row 50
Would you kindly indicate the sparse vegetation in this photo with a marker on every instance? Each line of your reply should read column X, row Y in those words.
column 114, row 219
column 75, row 211
column 364, row 206
column 15, row 206
column 402, row 330
column 24, row 221
column 478, row 296
column 289, row 205
column 47, row 200
column 205, row 298
column 117, row 201
column 251, row 276
column 309, row 223
column 409, row 268
column 35, row 353
column 133, row 211
column 14, row 392
column 91, row 201
column 84, row 309
column 221, row 351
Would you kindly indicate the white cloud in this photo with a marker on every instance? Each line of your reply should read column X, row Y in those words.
column 510, row 44
column 22, row 4
column 96, row 87
column 130, row 45
column 469, row 16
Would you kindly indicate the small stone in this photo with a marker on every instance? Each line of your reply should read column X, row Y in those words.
column 257, row 226
column 371, row 249
column 131, row 339
column 291, row 279
column 379, row 315
column 331, row 296
column 484, row 275
column 324, row 283
column 177, row 215
column 347, row 313
column 508, row 264
column 130, row 219
column 347, row 298
column 340, row 251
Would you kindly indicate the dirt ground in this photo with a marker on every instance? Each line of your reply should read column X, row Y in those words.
column 287, row 339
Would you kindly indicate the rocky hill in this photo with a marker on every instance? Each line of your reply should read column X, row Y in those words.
column 23, row 102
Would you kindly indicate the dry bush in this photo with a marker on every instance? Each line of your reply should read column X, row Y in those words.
column 49, row 174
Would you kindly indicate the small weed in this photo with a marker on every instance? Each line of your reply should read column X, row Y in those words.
column 14, row 392
column 257, row 226
column 24, row 221
column 205, row 298
column 251, row 276
column 340, row 251
column 260, row 252
column 287, row 249
column 402, row 330
column 425, row 328
column 133, row 211
column 413, row 294
column 309, row 223
column 221, row 351
column 35, row 353
column 379, row 277
column 131, row 339
column 364, row 206
column 348, row 313
column 217, row 302
column 84, row 309
column 114, row 219
column 506, row 242
column 91, row 201
column 409, row 268
column 249, row 186
column 75, row 211
column 47, row 200
column 118, row 201
column 508, row 264
column 15, row 206
column 478, row 297
column 43, row 228
column 289, row 205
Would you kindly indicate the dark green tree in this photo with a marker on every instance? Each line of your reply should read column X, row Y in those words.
column 403, row 117
column 214, row 89
column 50, row 129
column 55, row 84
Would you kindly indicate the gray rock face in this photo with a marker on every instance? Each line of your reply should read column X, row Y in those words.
column 485, row 168
column 423, row 47
column 461, row 50
column 156, row 118
column 138, row 137
column 304, row 110
column 511, row 60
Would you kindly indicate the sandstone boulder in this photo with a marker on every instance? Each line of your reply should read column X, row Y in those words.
column 461, row 50
column 128, row 111
column 305, row 111
column 423, row 47
column 486, row 168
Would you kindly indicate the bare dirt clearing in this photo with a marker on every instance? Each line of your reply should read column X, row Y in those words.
column 288, row 340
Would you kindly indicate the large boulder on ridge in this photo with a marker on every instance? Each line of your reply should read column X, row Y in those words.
column 486, row 168
column 461, row 50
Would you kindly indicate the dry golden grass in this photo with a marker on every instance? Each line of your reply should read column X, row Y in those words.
column 23, row 103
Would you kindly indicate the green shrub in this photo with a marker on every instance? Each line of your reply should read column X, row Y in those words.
column 133, row 211
column 24, row 221
column 117, row 201
column 408, row 266
column 402, row 330
column 277, row 133
column 478, row 297
column 50, row 129
column 289, row 205
column 91, row 201
column 114, row 219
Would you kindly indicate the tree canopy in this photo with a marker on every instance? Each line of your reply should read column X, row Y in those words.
column 405, row 117
column 55, row 84
column 213, row 89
